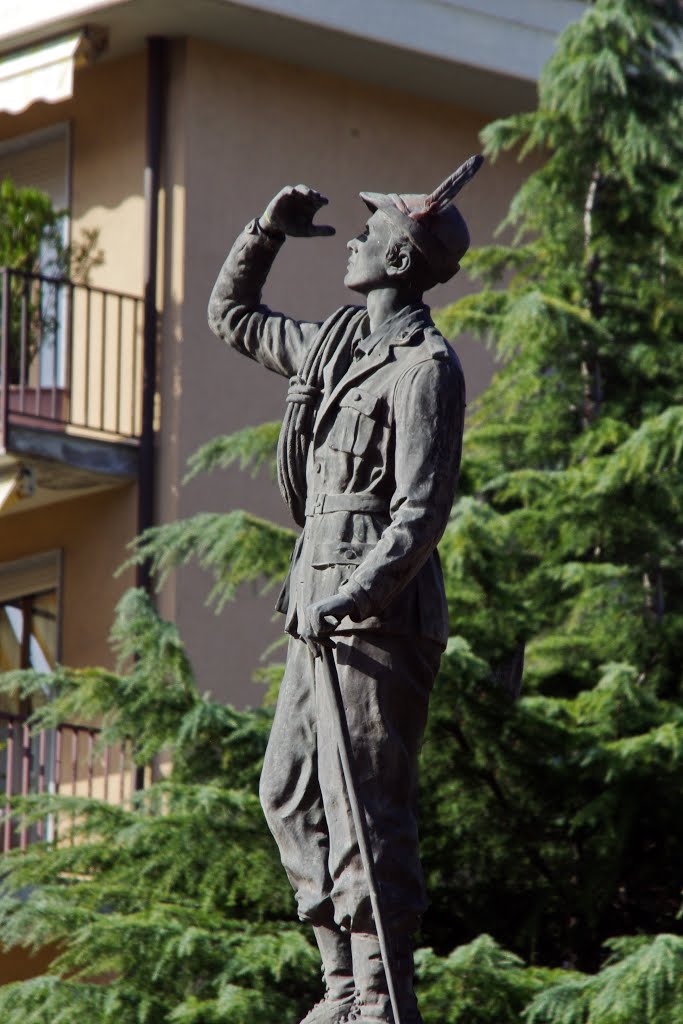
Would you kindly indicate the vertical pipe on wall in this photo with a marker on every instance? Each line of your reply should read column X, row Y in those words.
column 156, row 52
column 155, row 111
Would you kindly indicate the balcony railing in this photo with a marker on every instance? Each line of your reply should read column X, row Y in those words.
column 70, row 358
column 68, row 760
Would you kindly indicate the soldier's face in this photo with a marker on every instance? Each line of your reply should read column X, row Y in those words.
column 367, row 266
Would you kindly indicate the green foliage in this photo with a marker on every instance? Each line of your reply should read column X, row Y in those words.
column 27, row 222
column 478, row 983
column 561, row 807
column 31, row 229
column 236, row 547
column 642, row 982
column 252, row 447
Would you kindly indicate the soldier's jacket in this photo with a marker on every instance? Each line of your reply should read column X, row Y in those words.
column 384, row 456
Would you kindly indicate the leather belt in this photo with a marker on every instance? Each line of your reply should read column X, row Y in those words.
column 321, row 504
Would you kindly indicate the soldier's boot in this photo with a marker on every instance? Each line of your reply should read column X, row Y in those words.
column 373, row 1005
column 339, row 999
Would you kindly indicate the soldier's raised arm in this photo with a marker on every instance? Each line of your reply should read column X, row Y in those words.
column 235, row 313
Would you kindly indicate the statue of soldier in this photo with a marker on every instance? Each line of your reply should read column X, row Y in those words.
column 368, row 463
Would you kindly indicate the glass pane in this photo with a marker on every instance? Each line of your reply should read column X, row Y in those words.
column 10, row 637
column 43, row 648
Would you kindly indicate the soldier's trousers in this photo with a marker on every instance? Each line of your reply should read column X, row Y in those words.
column 385, row 683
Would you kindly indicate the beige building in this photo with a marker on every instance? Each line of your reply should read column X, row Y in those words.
column 199, row 111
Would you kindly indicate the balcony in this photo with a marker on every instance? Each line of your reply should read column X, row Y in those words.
column 70, row 377
column 68, row 760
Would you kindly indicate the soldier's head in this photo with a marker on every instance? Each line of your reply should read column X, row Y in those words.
column 411, row 241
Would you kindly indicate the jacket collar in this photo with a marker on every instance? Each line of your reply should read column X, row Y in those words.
column 374, row 349
column 397, row 329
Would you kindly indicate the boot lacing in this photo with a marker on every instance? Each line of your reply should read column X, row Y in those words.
column 356, row 1011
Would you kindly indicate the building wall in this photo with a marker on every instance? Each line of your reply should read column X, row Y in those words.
column 241, row 128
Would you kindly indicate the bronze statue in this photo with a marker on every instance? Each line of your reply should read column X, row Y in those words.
column 368, row 463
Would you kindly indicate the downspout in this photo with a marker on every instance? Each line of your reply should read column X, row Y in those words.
column 156, row 52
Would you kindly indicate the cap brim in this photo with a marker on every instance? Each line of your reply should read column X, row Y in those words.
column 374, row 200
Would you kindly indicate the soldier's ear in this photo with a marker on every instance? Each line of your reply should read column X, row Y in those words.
column 399, row 259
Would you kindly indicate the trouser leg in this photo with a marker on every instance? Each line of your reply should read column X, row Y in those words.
column 385, row 683
column 290, row 790
column 292, row 803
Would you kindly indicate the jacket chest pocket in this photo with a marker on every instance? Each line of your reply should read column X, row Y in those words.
column 354, row 423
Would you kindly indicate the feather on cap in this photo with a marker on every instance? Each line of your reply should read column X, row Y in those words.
column 444, row 194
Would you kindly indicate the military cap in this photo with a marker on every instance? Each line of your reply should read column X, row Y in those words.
column 435, row 226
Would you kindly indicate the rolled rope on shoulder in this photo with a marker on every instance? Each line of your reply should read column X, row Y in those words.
column 301, row 393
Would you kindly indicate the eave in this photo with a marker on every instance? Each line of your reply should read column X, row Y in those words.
column 485, row 54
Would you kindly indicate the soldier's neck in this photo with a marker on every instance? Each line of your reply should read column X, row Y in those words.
column 385, row 302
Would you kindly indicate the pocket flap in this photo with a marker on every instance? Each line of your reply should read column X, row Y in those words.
column 339, row 553
column 362, row 401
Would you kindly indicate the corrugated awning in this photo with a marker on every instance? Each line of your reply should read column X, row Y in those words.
column 43, row 72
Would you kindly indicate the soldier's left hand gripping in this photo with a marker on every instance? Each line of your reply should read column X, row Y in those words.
column 322, row 619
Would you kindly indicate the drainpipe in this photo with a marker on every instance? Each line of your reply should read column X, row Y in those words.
column 156, row 49
column 156, row 52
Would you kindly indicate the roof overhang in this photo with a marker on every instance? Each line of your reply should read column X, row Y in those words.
column 485, row 54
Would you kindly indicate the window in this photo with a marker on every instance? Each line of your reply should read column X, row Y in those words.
column 29, row 616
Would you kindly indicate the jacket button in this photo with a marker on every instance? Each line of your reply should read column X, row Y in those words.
column 318, row 467
column 350, row 553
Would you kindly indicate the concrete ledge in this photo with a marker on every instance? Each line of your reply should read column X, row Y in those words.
column 93, row 455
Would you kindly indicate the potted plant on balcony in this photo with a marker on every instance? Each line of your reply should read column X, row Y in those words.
column 33, row 249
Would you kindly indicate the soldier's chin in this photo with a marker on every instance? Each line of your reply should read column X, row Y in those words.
column 353, row 283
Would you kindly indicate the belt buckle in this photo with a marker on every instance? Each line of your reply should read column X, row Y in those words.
column 319, row 505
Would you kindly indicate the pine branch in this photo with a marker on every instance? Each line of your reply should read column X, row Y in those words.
column 236, row 547
column 252, row 448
